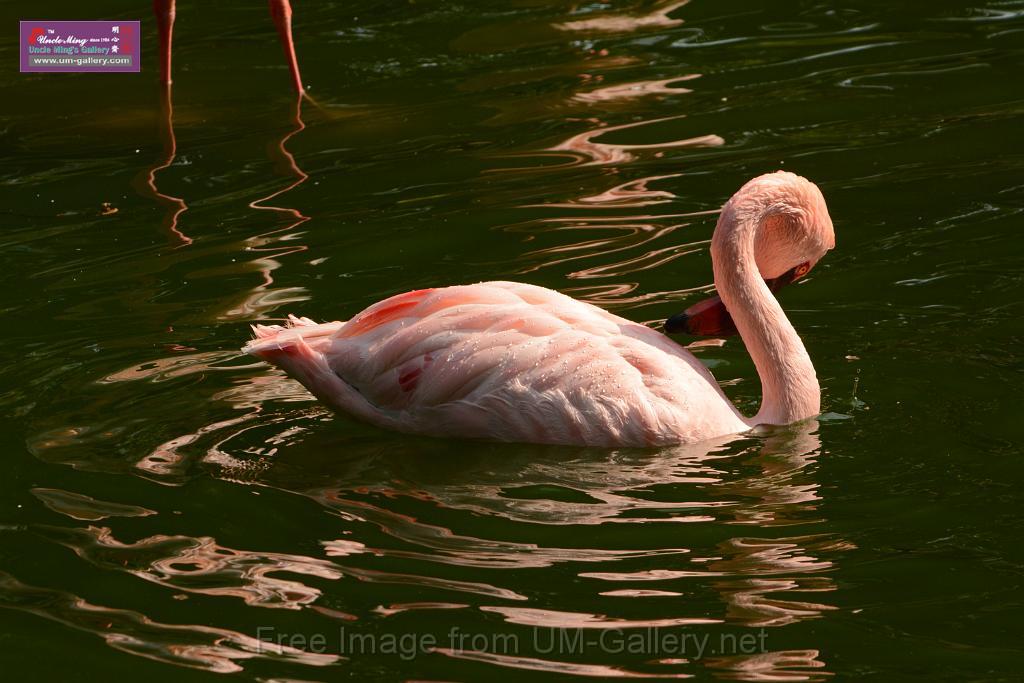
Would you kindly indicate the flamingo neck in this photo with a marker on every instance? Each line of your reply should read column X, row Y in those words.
column 789, row 386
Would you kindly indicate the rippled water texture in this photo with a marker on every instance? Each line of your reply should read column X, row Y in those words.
column 170, row 509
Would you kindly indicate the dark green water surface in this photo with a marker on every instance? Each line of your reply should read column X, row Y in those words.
column 171, row 510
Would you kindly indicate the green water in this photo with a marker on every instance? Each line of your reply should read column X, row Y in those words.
column 167, row 505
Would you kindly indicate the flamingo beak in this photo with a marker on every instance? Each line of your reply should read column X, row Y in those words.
column 710, row 318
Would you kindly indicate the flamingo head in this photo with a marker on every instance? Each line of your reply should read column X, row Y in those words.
column 793, row 230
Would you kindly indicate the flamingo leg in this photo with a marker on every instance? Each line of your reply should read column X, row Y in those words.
column 164, row 11
column 281, row 12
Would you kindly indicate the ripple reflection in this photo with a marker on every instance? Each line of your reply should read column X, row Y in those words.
column 199, row 647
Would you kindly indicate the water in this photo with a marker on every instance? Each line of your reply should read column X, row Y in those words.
column 167, row 506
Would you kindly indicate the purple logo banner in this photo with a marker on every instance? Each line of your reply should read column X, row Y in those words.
column 79, row 46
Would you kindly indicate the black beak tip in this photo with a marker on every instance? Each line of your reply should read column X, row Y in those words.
column 677, row 323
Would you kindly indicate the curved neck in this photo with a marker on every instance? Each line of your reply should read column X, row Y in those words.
column 789, row 386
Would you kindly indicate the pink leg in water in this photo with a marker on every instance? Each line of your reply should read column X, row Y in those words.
column 164, row 11
column 281, row 12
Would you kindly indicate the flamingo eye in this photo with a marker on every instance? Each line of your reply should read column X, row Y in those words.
column 802, row 269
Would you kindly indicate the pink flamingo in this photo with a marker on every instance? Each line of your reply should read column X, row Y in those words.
column 280, row 12
column 516, row 362
column 146, row 181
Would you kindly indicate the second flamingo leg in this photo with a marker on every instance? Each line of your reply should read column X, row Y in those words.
column 281, row 12
column 164, row 11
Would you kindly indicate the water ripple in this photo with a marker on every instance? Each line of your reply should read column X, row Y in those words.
column 200, row 647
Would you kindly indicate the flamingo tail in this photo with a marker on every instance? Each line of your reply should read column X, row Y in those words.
column 299, row 349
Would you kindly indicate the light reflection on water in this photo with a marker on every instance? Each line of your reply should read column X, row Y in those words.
column 196, row 646
column 392, row 533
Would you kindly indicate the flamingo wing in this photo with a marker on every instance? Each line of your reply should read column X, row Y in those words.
column 511, row 362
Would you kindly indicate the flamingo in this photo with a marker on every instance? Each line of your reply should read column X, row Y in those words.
column 514, row 362
column 280, row 12
column 146, row 181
